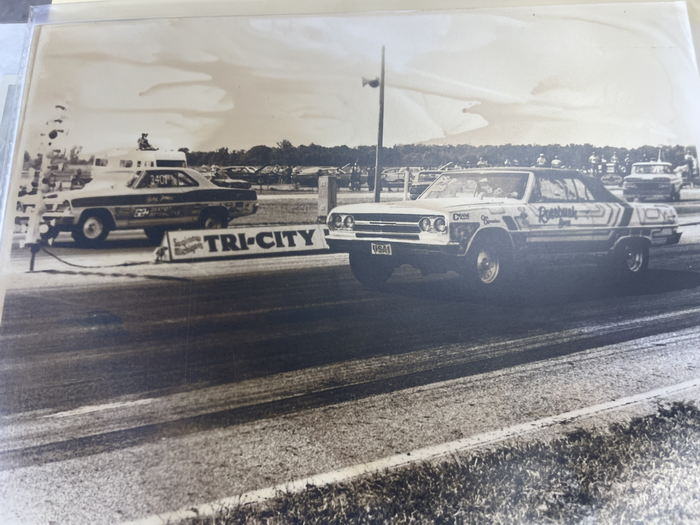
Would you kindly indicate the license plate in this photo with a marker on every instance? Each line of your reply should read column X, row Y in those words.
column 379, row 248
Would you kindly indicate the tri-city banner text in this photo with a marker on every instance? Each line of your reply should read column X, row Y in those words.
column 187, row 245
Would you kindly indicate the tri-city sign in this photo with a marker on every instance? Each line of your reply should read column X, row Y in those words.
column 188, row 245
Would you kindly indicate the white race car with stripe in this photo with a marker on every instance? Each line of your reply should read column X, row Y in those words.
column 481, row 222
column 154, row 199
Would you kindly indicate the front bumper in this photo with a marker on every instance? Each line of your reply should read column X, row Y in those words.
column 647, row 193
column 58, row 221
column 400, row 250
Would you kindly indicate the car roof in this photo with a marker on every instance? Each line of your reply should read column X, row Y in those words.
column 652, row 163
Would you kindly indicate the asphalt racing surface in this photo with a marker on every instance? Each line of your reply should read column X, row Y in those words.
column 129, row 397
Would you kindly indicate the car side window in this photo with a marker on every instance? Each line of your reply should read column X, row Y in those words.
column 584, row 194
column 555, row 189
column 158, row 179
column 184, row 180
column 598, row 192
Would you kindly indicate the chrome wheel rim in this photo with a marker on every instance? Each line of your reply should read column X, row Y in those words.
column 634, row 258
column 93, row 228
column 212, row 223
column 487, row 266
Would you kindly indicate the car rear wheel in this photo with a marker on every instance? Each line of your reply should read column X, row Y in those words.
column 213, row 220
column 630, row 260
column 371, row 270
column 92, row 229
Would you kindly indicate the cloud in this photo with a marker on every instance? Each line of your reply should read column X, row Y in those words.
column 619, row 74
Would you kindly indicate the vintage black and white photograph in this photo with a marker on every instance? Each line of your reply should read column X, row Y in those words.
column 354, row 267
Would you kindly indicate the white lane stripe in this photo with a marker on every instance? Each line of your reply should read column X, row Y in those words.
column 97, row 408
column 415, row 456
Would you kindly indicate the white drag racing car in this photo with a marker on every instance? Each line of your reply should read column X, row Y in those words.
column 481, row 222
column 155, row 200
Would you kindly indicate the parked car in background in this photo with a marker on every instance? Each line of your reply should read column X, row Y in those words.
column 652, row 181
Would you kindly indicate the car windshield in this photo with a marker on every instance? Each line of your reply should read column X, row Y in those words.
column 651, row 168
column 500, row 185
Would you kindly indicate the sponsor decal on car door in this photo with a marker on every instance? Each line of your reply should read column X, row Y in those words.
column 564, row 217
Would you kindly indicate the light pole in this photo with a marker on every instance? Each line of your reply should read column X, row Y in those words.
column 380, row 131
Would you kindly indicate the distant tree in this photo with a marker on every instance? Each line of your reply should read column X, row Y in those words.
column 258, row 156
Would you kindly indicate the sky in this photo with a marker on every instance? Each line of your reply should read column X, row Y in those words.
column 622, row 75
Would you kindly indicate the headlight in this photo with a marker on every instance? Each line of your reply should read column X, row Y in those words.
column 335, row 221
column 424, row 224
column 349, row 222
column 440, row 225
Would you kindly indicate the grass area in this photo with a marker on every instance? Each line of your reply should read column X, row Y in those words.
column 643, row 471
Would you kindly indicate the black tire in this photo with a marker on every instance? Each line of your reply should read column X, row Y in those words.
column 372, row 271
column 92, row 229
column 629, row 260
column 213, row 220
column 489, row 266
column 154, row 234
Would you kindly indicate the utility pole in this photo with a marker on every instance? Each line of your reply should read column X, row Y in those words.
column 380, row 137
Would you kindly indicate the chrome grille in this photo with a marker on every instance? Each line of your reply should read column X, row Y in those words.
column 390, row 225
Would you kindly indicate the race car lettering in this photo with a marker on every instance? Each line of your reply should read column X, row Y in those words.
column 266, row 240
column 141, row 212
column 487, row 221
column 460, row 216
column 159, row 198
column 547, row 214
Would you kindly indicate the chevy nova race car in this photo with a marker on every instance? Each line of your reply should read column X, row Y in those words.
column 480, row 222
column 155, row 200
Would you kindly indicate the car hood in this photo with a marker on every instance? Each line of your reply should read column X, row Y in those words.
column 423, row 206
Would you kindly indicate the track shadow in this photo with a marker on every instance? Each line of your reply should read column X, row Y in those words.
column 109, row 244
column 545, row 286
column 114, row 274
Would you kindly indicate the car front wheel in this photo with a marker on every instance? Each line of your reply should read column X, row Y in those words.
column 489, row 266
column 370, row 270
column 92, row 230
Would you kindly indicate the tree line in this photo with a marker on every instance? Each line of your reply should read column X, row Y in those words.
column 286, row 154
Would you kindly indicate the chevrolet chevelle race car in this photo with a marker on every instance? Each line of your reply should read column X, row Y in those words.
column 480, row 222
column 155, row 200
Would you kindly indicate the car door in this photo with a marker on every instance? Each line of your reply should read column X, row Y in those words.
column 569, row 213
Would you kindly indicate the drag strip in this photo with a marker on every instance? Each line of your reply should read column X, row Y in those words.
column 453, row 363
